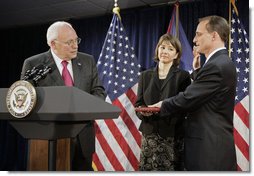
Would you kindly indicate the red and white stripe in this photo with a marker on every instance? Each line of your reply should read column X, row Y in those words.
column 241, row 134
column 118, row 140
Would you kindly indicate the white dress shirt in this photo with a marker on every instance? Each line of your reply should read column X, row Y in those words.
column 59, row 65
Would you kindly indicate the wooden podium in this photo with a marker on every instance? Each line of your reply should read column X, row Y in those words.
column 60, row 113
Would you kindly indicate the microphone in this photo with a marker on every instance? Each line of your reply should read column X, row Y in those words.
column 41, row 74
column 37, row 73
column 31, row 73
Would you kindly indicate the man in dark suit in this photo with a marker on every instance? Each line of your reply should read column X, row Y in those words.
column 63, row 42
column 209, row 101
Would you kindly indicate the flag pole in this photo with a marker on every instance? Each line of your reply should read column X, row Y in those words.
column 177, row 19
column 116, row 9
column 229, row 37
column 231, row 2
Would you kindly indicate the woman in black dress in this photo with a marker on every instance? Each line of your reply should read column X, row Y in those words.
column 162, row 138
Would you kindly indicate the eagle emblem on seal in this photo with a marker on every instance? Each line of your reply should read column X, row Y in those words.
column 20, row 100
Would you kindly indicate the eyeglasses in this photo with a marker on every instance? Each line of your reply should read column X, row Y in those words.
column 71, row 42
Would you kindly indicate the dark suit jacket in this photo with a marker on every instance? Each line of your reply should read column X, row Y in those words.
column 85, row 78
column 150, row 92
column 209, row 142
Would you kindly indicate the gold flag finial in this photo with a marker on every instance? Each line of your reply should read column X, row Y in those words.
column 116, row 9
column 233, row 3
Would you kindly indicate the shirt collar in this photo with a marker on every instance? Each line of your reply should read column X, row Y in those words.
column 57, row 60
column 212, row 53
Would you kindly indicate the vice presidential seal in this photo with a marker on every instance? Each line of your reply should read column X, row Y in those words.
column 21, row 98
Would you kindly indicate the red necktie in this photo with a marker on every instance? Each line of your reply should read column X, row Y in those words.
column 66, row 74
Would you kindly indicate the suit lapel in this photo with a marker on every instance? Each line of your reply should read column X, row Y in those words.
column 155, row 78
column 55, row 74
column 152, row 87
column 76, row 67
column 171, row 73
column 160, row 91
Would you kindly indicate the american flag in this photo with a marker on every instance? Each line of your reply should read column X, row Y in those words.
column 118, row 141
column 240, row 55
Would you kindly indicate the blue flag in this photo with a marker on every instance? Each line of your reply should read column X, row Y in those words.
column 187, row 56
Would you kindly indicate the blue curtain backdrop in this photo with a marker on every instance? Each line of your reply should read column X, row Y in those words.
column 144, row 26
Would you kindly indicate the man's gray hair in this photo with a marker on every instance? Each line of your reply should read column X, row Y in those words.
column 53, row 29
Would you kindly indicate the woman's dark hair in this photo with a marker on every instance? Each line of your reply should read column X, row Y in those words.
column 174, row 42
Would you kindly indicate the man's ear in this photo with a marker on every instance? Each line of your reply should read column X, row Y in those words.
column 214, row 35
column 53, row 44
